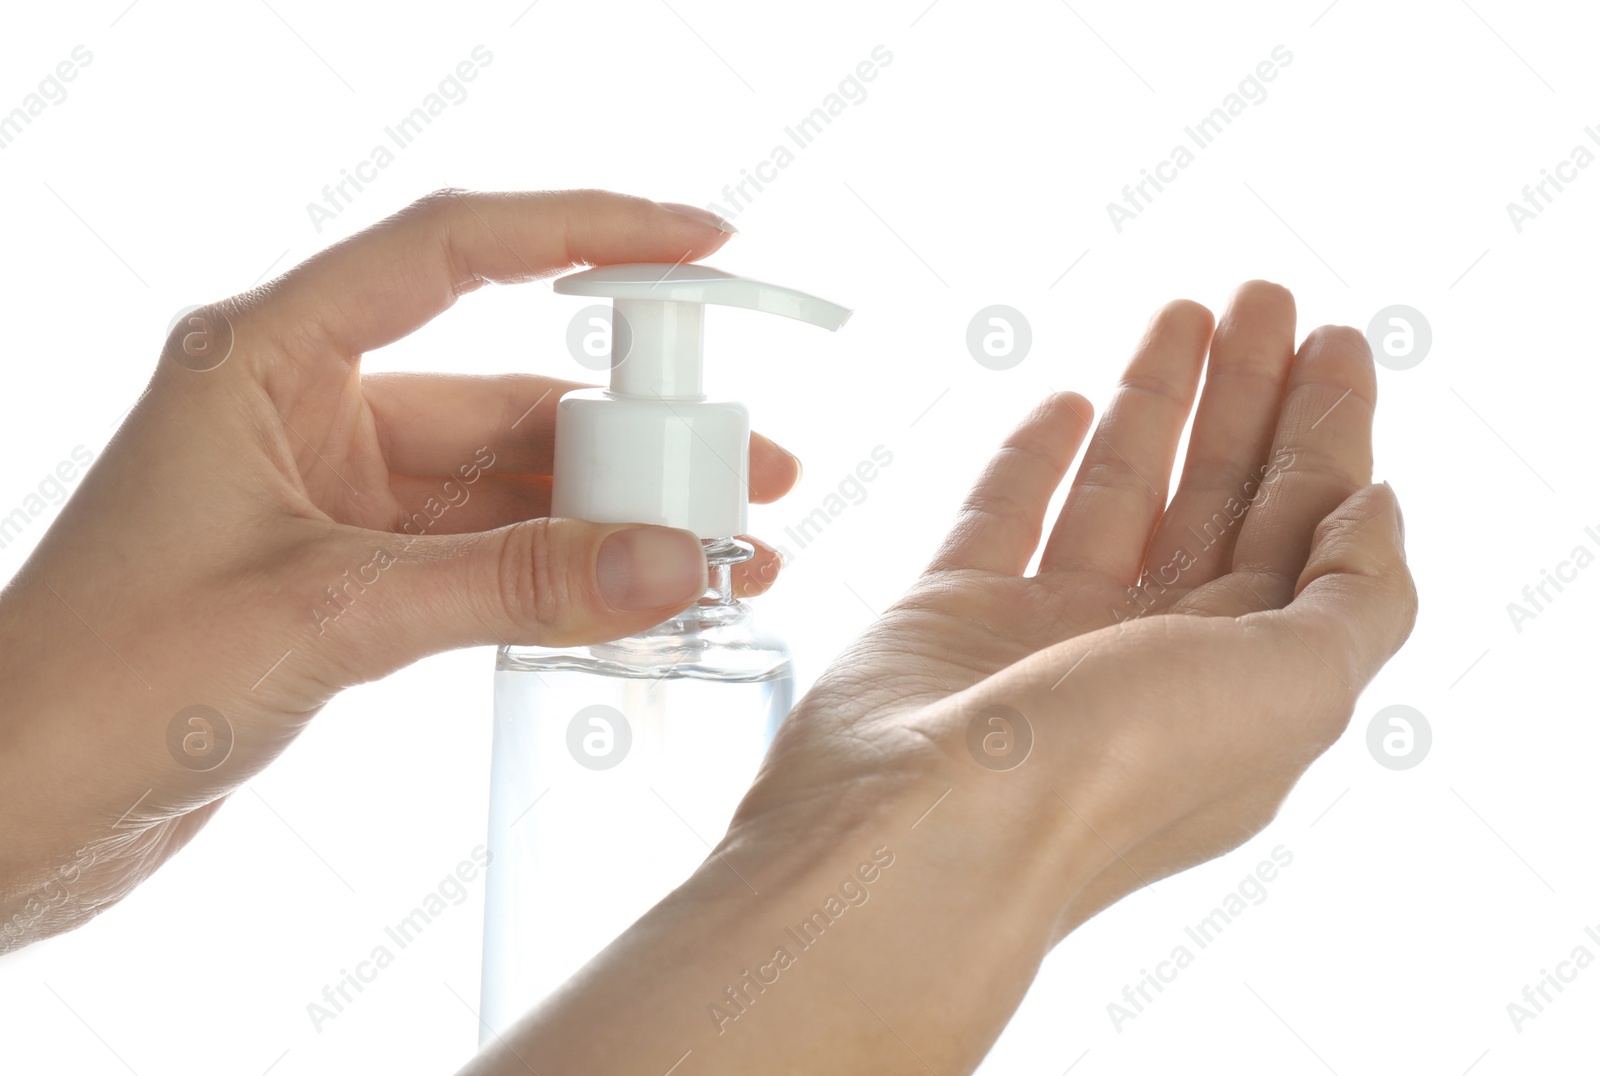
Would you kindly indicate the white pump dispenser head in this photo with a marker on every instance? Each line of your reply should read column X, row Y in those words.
column 652, row 448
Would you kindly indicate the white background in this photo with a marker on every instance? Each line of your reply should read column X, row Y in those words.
column 976, row 171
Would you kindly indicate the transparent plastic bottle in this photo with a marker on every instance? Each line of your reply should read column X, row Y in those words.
column 616, row 769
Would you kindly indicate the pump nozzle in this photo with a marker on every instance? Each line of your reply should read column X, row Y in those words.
column 659, row 313
column 651, row 448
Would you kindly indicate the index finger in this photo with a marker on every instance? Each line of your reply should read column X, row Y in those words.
column 389, row 280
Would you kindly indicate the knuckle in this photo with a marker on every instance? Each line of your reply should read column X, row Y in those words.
column 532, row 589
column 1113, row 476
column 1331, row 527
column 1029, row 451
column 1322, row 469
column 1161, row 389
column 204, row 337
column 1220, row 477
column 1000, row 506
column 435, row 204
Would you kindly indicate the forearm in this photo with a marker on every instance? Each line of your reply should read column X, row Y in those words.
column 58, row 866
column 80, row 788
column 48, row 889
column 874, row 946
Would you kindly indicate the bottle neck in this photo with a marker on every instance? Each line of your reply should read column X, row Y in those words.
column 721, row 555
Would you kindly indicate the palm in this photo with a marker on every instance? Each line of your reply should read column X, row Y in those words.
column 338, row 461
column 397, row 452
column 958, row 626
column 1233, row 538
column 322, row 435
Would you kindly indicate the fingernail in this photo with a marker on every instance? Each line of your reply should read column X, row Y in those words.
column 651, row 568
column 703, row 216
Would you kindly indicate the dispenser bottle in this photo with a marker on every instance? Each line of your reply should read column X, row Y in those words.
column 617, row 767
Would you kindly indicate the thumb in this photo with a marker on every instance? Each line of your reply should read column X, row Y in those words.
column 1355, row 602
column 546, row 582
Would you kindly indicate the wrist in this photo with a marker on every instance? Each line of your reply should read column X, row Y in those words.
column 64, row 854
column 934, row 893
column 900, row 904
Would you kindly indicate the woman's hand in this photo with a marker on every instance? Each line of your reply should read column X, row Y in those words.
column 1247, row 581
column 1025, row 750
column 269, row 526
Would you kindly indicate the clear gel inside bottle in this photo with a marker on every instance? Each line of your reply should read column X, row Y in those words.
column 616, row 769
